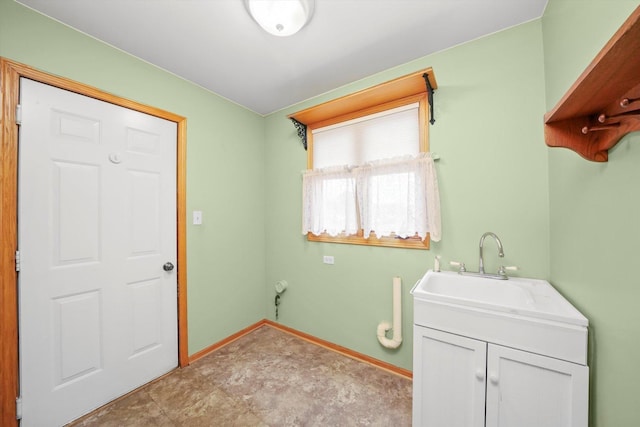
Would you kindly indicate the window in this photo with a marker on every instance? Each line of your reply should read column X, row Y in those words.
column 370, row 178
column 384, row 135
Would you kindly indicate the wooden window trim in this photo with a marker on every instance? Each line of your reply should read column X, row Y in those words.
column 402, row 87
column 395, row 93
column 358, row 239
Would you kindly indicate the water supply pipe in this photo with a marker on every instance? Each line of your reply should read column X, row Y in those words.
column 384, row 327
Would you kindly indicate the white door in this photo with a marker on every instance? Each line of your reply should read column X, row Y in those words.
column 529, row 390
column 97, row 222
column 448, row 379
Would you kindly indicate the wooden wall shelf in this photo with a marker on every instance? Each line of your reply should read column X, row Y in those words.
column 603, row 105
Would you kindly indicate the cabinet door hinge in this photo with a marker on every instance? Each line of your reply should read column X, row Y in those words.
column 19, row 114
column 18, row 408
column 17, row 260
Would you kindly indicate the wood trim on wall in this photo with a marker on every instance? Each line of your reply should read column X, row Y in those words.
column 181, row 188
column 8, row 243
column 343, row 350
column 310, row 338
column 231, row 338
column 401, row 87
column 10, row 73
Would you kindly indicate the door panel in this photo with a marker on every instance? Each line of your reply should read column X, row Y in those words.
column 529, row 390
column 145, row 230
column 146, row 317
column 76, row 212
column 77, row 326
column 97, row 220
column 449, row 379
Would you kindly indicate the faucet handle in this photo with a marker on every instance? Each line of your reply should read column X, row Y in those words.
column 458, row 264
column 503, row 269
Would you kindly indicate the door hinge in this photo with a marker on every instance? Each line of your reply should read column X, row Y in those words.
column 18, row 408
column 17, row 260
column 19, row 114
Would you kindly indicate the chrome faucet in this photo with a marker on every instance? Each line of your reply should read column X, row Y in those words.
column 500, row 251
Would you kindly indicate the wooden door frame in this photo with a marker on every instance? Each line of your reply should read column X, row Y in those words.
column 10, row 73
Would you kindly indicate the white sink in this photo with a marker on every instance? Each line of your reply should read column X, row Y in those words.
column 528, row 312
column 530, row 297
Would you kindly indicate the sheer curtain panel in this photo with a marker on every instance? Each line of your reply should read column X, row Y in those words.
column 387, row 197
column 329, row 201
column 399, row 197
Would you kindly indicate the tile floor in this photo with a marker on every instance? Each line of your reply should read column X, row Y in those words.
column 266, row 378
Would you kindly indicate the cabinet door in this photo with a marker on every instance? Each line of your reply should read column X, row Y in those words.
column 529, row 390
column 448, row 379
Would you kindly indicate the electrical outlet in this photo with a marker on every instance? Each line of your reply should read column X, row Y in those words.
column 328, row 259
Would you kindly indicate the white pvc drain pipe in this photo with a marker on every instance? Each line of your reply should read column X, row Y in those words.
column 383, row 327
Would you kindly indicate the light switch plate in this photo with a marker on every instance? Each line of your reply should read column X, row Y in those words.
column 197, row 217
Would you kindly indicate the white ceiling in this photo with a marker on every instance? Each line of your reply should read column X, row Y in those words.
column 216, row 44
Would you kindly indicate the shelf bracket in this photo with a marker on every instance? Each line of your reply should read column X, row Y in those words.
column 301, row 129
column 430, row 91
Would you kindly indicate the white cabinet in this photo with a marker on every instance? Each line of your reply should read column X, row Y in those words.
column 448, row 379
column 466, row 382
column 497, row 353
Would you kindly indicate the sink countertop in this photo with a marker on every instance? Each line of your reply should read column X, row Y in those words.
column 524, row 296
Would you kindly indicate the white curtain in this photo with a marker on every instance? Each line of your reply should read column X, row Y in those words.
column 329, row 201
column 399, row 196
column 395, row 196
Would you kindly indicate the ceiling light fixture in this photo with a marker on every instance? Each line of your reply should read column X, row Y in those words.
column 281, row 17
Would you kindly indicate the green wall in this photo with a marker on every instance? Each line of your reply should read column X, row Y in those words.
column 492, row 174
column 594, row 217
column 560, row 217
column 226, row 255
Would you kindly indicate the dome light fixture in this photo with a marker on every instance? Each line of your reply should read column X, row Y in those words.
column 281, row 17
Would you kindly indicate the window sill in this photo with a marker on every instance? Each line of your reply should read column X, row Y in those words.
column 391, row 242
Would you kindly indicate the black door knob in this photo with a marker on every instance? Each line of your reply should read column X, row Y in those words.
column 167, row 266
